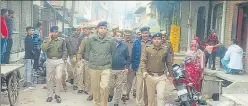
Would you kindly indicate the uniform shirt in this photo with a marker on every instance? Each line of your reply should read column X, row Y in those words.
column 130, row 46
column 156, row 59
column 100, row 52
column 55, row 48
column 82, row 50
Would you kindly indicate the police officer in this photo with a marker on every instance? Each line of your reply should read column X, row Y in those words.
column 73, row 41
column 55, row 48
column 155, row 63
column 131, row 74
column 114, row 29
column 167, row 43
column 92, row 28
column 138, row 46
column 101, row 48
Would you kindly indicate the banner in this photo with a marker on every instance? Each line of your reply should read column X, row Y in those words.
column 175, row 37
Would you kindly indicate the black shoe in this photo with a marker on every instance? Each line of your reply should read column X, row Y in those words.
column 116, row 105
column 110, row 98
column 80, row 91
column 124, row 98
column 58, row 99
column 177, row 100
column 75, row 87
column 90, row 98
column 49, row 99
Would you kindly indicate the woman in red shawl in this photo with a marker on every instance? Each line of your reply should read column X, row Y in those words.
column 194, row 68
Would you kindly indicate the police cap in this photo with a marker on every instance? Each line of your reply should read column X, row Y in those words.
column 143, row 29
column 158, row 34
column 102, row 23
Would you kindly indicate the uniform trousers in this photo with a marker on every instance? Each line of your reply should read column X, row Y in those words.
column 54, row 76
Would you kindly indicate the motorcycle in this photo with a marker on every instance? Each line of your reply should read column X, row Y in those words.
column 187, row 94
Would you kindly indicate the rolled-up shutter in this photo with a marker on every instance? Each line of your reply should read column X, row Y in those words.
column 17, row 39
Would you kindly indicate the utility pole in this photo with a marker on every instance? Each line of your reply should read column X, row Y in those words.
column 189, row 25
column 72, row 11
column 63, row 24
column 223, row 22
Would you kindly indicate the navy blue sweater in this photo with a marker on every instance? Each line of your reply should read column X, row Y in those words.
column 29, row 54
column 36, row 39
column 121, row 58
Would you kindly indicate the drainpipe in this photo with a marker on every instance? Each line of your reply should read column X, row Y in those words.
column 72, row 11
column 189, row 25
column 223, row 22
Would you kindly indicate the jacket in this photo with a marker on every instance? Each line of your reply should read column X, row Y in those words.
column 29, row 53
column 121, row 58
column 234, row 54
column 36, row 39
column 136, row 54
column 9, row 23
column 100, row 52
column 4, row 29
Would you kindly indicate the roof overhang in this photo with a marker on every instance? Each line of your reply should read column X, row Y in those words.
column 140, row 10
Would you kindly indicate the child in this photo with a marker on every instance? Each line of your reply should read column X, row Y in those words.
column 29, row 56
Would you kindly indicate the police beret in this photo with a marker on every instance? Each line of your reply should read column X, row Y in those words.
column 102, row 23
column 157, row 35
column 54, row 28
column 144, row 29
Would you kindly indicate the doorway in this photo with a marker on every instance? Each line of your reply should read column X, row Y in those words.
column 242, row 26
column 201, row 22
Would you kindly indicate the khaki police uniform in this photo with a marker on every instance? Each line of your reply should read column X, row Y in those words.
column 83, row 68
column 156, row 61
column 57, row 54
column 141, row 93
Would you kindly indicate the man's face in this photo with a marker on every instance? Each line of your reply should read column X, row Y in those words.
column 102, row 30
column 145, row 35
column 128, row 37
column 86, row 31
column 157, row 41
column 30, row 32
column 119, row 36
column 11, row 16
column 164, row 38
column 54, row 33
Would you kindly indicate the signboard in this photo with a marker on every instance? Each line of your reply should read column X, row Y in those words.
column 175, row 37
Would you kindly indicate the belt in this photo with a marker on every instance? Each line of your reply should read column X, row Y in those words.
column 54, row 58
column 155, row 74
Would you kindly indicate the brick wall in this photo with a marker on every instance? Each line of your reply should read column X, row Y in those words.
column 229, row 23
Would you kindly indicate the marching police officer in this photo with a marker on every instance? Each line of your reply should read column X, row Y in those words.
column 155, row 63
column 55, row 48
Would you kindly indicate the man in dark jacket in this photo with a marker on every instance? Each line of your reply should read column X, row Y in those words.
column 120, row 67
column 29, row 56
column 9, row 22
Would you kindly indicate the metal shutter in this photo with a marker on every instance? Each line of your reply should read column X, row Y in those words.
column 26, row 20
column 16, row 7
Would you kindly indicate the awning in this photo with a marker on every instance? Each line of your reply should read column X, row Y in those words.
column 140, row 10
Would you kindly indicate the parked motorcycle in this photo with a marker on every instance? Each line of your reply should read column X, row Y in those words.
column 187, row 94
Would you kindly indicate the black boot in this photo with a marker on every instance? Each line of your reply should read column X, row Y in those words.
column 110, row 98
column 72, row 81
column 213, row 68
column 58, row 99
column 49, row 99
column 116, row 105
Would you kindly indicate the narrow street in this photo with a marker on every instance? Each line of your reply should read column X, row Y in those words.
column 70, row 98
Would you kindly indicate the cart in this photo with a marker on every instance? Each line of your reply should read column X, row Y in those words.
column 10, row 77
